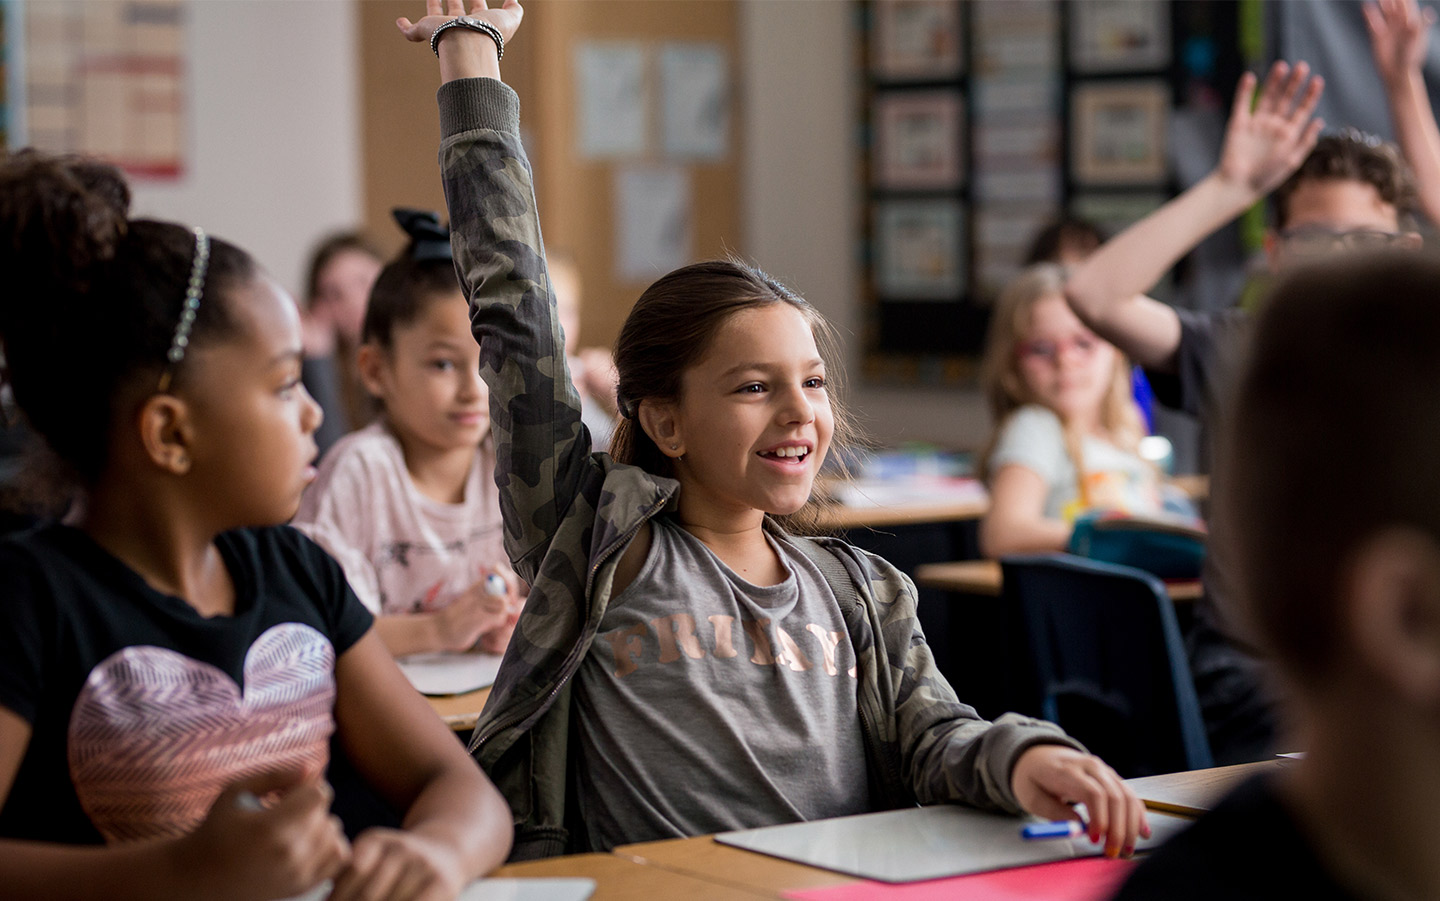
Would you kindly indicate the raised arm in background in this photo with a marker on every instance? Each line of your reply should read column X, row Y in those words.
column 1262, row 147
column 1399, row 35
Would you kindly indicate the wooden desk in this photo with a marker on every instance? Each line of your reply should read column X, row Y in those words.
column 621, row 878
column 841, row 517
column 1193, row 793
column 461, row 711
column 983, row 577
column 704, row 858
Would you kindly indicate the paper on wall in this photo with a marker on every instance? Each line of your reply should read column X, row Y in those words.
column 653, row 224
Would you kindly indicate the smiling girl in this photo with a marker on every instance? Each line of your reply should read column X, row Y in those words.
column 173, row 665
column 1067, row 428
column 408, row 505
column 684, row 664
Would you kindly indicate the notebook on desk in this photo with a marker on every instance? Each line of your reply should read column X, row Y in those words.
column 438, row 675
column 922, row 843
column 500, row 890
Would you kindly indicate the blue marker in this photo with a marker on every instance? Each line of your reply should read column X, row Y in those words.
column 1057, row 829
column 495, row 585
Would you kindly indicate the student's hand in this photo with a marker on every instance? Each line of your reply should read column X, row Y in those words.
column 1048, row 779
column 474, row 612
column 1264, row 145
column 284, row 848
column 505, row 17
column 1399, row 33
column 497, row 639
column 389, row 864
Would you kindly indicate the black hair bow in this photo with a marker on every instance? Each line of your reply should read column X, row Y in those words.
column 429, row 239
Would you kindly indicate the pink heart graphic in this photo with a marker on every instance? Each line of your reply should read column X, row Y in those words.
column 155, row 735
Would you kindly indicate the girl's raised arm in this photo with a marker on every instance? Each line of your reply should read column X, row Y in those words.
column 541, row 447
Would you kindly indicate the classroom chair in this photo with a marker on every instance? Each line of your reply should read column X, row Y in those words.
column 1107, row 662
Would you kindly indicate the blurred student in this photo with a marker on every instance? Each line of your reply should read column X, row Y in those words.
column 408, row 504
column 592, row 368
column 1066, row 429
column 1334, row 193
column 174, row 663
column 1331, row 501
column 343, row 267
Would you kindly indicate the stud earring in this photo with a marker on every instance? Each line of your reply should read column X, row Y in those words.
column 674, row 447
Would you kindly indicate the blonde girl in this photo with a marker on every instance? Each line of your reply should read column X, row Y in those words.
column 1067, row 429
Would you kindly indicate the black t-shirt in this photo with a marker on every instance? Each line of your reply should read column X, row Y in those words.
column 142, row 710
column 1248, row 847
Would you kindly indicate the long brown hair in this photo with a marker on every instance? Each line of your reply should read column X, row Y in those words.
column 1004, row 384
column 669, row 330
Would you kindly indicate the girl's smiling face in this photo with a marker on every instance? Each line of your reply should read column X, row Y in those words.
column 1066, row 367
column 753, row 422
column 429, row 378
column 252, row 423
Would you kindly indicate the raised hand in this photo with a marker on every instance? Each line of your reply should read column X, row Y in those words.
column 1264, row 145
column 277, row 847
column 1048, row 779
column 1399, row 35
column 505, row 17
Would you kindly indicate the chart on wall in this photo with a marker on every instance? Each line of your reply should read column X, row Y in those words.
column 983, row 123
column 105, row 79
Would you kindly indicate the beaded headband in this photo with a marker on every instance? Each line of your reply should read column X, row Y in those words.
column 193, row 289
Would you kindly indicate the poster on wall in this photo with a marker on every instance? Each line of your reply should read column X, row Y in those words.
column 1119, row 35
column 919, row 142
column 695, row 100
column 916, row 40
column 106, row 80
column 610, row 91
column 1119, row 132
column 919, row 250
column 654, row 225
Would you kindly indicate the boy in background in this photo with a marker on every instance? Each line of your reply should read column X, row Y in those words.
column 1330, row 506
column 1334, row 193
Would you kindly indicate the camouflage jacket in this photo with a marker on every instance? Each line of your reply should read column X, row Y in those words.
column 569, row 514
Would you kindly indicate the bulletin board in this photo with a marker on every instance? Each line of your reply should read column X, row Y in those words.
column 983, row 122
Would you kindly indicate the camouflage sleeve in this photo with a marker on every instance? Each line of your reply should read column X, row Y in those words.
column 947, row 752
column 541, row 448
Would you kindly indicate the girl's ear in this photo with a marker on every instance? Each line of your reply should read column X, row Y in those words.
column 371, row 362
column 660, row 422
column 166, row 433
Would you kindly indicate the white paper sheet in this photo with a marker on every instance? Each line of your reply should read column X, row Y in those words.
column 499, row 890
column 450, row 674
column 695, row 100
column 653, row 224
column 610, row 89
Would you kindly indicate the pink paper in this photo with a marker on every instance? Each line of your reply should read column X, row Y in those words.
column 1089, row 879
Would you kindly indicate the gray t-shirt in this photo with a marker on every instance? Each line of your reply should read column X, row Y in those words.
column 707, row 703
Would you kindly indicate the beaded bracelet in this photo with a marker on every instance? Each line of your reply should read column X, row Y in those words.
column 473, row 24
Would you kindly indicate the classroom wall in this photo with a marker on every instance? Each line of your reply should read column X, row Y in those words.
column 275, row 159
column 801, row 183
column 273, row 129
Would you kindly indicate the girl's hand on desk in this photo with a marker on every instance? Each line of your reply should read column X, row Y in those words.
column 505, row 17
column 389, row 864
column 1049, row 779
column 272, row 849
